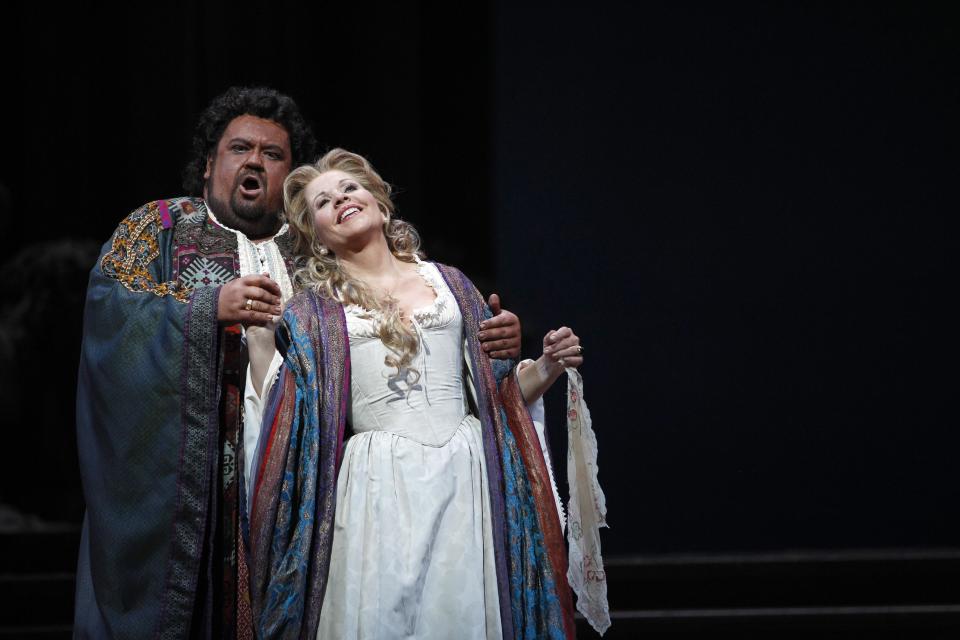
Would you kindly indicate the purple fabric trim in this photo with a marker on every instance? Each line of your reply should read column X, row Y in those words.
column 165, row 218
column 332, row 330
column 200, row 393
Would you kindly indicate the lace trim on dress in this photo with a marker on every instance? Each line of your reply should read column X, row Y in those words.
column 362, row 322
column 439, row 312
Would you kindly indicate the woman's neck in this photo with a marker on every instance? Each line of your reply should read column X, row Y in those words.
column 373, row 264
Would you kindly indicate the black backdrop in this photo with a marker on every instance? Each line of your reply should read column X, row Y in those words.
column 742, row 211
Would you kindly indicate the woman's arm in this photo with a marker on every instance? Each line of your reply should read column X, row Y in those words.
column 561, row 349
column 261, row 348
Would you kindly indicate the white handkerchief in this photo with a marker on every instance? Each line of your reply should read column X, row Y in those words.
column 586, row 512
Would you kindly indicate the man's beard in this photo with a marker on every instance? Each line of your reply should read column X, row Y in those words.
column 252, row 219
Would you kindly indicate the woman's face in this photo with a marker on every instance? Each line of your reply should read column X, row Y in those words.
column 345, row 214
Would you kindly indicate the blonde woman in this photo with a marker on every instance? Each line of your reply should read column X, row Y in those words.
column 437, row 518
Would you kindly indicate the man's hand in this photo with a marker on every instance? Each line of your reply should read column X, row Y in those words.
column 500, row 335
column 250, row 300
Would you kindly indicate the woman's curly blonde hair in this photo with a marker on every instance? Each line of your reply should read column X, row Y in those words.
column 318, row 267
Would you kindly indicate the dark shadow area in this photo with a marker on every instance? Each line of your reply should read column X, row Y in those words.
column 741, row 209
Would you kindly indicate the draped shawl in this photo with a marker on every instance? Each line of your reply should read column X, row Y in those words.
column 291, row 518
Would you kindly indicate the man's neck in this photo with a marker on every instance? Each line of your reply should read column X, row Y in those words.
column 234, row 223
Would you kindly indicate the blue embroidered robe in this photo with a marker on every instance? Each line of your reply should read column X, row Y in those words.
column 159, row 409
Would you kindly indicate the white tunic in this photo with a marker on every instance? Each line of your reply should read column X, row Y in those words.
column 412, row 549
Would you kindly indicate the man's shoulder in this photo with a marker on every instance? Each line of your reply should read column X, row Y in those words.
column 170, row 212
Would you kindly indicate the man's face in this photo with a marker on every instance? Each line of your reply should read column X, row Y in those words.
column 245, row 176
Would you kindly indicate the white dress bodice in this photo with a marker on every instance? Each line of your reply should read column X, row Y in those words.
column 426, row 406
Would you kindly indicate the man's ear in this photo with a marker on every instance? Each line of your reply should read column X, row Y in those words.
column 206, row 172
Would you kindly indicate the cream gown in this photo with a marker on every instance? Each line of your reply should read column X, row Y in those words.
column 412, row 549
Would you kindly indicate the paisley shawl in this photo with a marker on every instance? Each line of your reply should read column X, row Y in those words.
column 291, row 521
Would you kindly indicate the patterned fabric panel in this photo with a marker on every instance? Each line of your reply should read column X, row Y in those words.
column 135, row 245
column 201, row 271
column 205, row 255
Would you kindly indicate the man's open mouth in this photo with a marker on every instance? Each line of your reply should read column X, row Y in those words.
column 251, row 186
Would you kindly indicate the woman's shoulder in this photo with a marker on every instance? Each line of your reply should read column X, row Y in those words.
column 447, row 272
column 457, row 280
column 305, row 303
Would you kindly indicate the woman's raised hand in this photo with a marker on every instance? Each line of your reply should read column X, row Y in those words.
column 562, row 346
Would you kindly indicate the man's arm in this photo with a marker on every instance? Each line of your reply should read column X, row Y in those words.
column 146, row 407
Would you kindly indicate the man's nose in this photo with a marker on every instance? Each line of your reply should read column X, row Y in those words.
column 254, row 159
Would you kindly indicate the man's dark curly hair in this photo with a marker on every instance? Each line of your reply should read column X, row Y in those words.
column 237, row 101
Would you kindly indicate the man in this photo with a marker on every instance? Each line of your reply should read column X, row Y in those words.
column 162, row 373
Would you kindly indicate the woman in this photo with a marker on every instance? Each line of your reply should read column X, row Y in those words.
column 437, row 520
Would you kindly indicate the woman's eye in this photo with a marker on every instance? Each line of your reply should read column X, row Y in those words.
column 350, row 187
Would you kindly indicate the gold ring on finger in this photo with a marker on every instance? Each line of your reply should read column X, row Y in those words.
column 249, row 305
column 579, row 349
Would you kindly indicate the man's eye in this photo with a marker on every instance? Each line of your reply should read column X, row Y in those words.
column 239, row 148
column 273, row 155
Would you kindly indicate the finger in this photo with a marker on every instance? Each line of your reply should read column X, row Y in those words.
column 505, row 319
column 257, row 293
column 566, row 344
column 572, row 351
column 553, row 339
column 502, row 355
column 256, row 318
column 497, row 345
column 264, row 307
column 263, row 282
column 494, row 302
column 496, row 334
column 261, row 307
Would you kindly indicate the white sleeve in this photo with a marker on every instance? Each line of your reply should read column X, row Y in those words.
column 253, row 406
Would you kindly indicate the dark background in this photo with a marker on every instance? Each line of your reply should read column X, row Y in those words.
column 741, row 210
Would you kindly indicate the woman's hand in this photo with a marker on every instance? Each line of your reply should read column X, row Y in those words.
column 561, row 349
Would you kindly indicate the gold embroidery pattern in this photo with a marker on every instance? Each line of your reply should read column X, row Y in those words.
column 135, row 246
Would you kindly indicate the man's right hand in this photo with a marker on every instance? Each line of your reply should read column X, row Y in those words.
column 263, row 294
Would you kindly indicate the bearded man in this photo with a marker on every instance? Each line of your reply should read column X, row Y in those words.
column 160, row 404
